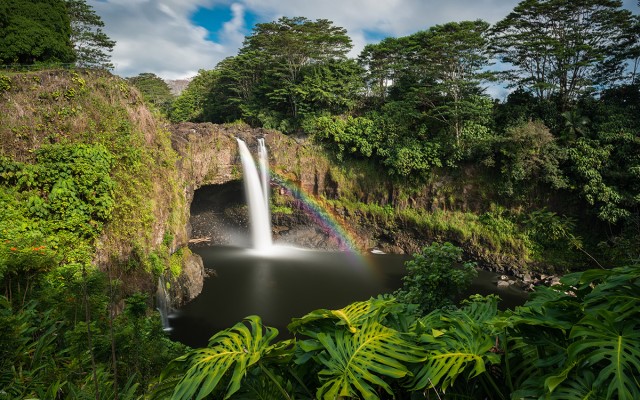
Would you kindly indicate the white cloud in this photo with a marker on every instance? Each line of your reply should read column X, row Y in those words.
column 157, row 35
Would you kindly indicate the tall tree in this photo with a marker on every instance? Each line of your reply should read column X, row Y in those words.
column 233, row 96
column 288, row 45
column 382, row 62
column 90, row 44
column 558, row 48
column 194, row 104
column 451, row 59
column 34, row 31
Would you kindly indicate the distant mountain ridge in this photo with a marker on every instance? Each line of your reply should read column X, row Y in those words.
column 177, row 85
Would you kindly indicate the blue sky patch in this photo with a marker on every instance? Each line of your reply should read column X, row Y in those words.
column 374, row 36
column 213, row 19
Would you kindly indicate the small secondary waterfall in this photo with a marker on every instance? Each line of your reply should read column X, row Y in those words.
column 257, row 191
column 162, row 303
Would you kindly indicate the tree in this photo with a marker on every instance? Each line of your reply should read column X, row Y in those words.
column 382, row 62
column 235, row 95
column 558, row 48
column 530, row 153
column 450, row 60
column 194, row 102
column 154, row 89
column 90, row 44
column 34, row 31
column 435, row 276
column 287, row 46
column 334, row 87
column 428, row 87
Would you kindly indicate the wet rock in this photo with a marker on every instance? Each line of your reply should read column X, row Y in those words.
column 189, row 284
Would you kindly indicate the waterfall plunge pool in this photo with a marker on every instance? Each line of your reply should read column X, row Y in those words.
column 289, row 282
column 280, row 283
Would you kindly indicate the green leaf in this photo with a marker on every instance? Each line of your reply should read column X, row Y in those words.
column 581, row 388
column 351, row 316
column 612, row 349
column 228, row 357
column 463, row 344
column 355, row 364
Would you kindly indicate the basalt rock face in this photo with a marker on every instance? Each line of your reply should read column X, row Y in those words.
column 300, row 170
column 209, row 162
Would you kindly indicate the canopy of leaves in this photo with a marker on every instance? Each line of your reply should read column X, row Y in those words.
column 34, row 31
column 154, row 89
column 560, row 47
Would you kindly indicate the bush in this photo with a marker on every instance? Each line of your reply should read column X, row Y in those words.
column 435, row 276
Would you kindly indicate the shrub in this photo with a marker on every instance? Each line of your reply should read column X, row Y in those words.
column 435, row 276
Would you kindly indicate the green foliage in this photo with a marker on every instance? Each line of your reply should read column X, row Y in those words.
column 53, row 209
column 357, row 363
column 365, row 137
column 225, row 362
column 348, row 135
column 459, row 343
column 5, row 83
column 605, row 170
column 70, row 185
column 580, row 337
column 82, row 170
column 560, row 49
column 530, row 153
column 576, row 340
column 332, row 87
column 286, row 69
column 154, row 90
column 194, row 103
column 90, row 44
column 435, row 276
column 34, row 31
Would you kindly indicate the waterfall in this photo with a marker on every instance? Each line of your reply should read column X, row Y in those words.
column 162, row 303
column 257, row 192
column 264, row 172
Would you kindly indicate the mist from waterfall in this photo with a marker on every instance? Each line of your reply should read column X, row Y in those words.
column 256, row 185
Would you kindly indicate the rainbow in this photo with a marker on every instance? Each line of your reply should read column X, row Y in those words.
column 320, row 214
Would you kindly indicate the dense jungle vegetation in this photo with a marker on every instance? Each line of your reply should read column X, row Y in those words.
column 559, row 156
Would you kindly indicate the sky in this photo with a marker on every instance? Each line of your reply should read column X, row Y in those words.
column 175, row 38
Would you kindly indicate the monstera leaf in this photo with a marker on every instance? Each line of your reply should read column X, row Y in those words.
column 226, row 360
column 460, row 343
column 619, row 292
column 582, row 388
column 355, row 364
column 611, row 350
column 350, row 317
